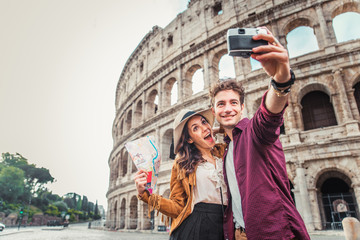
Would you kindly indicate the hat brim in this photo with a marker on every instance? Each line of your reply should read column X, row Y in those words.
column 180, row 122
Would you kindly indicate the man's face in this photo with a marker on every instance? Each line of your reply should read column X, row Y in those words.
column 227, row 108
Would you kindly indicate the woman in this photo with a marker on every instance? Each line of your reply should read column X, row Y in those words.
column 197, row 188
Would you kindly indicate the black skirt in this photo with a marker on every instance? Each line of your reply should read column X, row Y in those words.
column 205, row 222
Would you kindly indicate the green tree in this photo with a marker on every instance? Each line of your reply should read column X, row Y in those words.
column 11, row 183
column 62, row 206
column 84, row 204
column 52, row 210
column 34, row 177
column 70, row 202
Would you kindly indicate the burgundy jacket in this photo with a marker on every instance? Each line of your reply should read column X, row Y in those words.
column 268, row 209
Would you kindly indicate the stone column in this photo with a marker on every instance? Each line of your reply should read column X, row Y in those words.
column 180, row 83
column 298, row 116
column 133, row 115
column 331, row 32
column 127, row 212
column 315, row 208
column 160, row 95
column 344, row 102
column 139, row 216
column 143, row 107
column 207, row 72
column 356, row 188
column 323, row 35
column 282, row 40
column 305, row 210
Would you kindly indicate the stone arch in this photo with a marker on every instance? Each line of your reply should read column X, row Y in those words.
column 298, row 21
column 336, row 197
column 346, row 18
column 138, row 112
column 345, row 6
column 166, row 141
column 356, row 79
column 168, row 92
column 215, row 61
column 189, row 79
column 133, row 213
column 122, row 213
column 151, row 104
column 312, row 87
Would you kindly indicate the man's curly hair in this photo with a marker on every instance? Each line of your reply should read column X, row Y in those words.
column 231, row 84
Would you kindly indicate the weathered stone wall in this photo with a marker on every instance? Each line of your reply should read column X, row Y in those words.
column 196, row 39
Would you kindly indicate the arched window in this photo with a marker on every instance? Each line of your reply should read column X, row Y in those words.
column 122, row 213
column 122, row 127
column 198, row 81
column 138, row 112
column 166, row 143
column 226, row 67
column 152, row 103
column 174, row 94
column 133, row 213
column 345, row 28
column 170, row 94
column 338, row 199
column 128, row 121
column 300, row 41
column 357, row 95
column 124, row 163
column 317, row 110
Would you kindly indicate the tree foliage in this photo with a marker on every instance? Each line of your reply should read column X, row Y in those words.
column 11, row 183
column 22, row 183
column 35, row 177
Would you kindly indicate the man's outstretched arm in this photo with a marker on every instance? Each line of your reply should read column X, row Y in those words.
column 274, row 59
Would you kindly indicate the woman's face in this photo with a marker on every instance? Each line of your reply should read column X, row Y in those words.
column 200, row 133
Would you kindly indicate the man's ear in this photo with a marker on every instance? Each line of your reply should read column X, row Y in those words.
column 190, row 141
column 213, row 111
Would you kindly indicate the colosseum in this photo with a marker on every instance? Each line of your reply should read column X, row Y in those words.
column 173, row 67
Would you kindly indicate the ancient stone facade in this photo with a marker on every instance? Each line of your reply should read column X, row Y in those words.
column 321, row 136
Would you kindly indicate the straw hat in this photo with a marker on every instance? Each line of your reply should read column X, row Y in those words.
column 181, row 119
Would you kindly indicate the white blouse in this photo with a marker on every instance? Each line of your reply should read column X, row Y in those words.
column 209, row 179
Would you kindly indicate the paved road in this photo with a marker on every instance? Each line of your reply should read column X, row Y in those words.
column 81, row 232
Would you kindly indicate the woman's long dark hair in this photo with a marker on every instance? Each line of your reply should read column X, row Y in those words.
column 188, row 155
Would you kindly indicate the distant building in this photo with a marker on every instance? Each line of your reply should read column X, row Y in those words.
column 102, row 211
column 320, row 137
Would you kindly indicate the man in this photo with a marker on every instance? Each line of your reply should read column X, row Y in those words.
column 260, row 205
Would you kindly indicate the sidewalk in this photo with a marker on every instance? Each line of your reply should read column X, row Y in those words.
column 14, row 230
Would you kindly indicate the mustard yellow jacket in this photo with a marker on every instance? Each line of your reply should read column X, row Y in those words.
column 178, row 206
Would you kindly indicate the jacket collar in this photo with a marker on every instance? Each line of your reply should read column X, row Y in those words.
column 238, row 128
